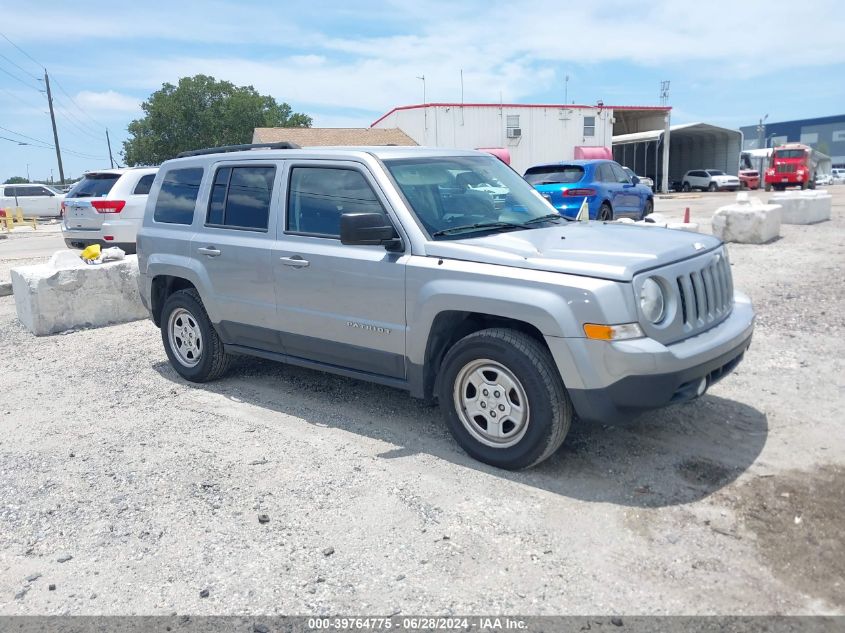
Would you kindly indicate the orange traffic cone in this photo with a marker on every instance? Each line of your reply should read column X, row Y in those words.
column 686, row 215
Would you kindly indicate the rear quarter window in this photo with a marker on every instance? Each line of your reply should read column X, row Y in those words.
column 144, row 184
column 177, row 197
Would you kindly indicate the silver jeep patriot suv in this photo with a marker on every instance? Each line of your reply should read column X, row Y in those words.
column 394, row 265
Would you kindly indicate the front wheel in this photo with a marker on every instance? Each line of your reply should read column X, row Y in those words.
column 503, row 399
column 648, row 208
column 190, row 341
column 712, row 187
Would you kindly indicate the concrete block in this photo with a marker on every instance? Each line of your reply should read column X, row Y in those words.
column 748, row 221
column 803, row 207
column 655, row 219
column 67, row 293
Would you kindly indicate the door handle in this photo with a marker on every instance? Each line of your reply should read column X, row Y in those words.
column 208, row 251
column 296, row 261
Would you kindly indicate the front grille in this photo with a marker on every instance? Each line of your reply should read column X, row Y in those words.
column 705, row 295
column 787, row 168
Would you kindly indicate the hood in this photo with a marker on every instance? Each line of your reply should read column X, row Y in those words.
column 724, row 177
column 591, row 249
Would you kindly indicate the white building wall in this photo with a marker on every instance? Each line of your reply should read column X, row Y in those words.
column 549, row 134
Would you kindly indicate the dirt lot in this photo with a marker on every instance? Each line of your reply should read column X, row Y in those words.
column 149, row 489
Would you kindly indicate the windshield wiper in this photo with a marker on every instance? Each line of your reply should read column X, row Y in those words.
column 477, row 227
column 546, row 218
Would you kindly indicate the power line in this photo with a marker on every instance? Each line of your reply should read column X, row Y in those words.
column 21, row 68
column 37, row 63
column 18, row 79
column 6, row 138
column 78, row 107
column 76, row 123
column 31, row 138
column 21, row 99
column 47, row 145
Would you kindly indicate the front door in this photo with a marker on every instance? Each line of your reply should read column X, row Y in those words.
column 339, row 305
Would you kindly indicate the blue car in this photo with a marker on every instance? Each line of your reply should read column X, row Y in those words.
column 609, row 191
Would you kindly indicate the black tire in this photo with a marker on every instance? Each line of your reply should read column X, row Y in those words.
column 648, row 209
column 212, row 358
column 605, row 213
column 712, row 187
column 768, row 187
column 549, row 410
column 686, row 187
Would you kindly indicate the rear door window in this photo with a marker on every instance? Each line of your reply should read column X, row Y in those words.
column 177, row 197
column 144, row 184
column 240, row 197
column 93, row 186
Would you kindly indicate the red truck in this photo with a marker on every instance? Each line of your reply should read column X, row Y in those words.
column 792, row 165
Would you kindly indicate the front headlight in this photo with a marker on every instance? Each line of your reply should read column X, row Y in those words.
column 652, row 302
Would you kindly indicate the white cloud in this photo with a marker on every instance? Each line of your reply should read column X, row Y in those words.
column 108, row 101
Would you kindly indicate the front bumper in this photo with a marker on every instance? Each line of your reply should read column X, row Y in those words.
column 617, row 380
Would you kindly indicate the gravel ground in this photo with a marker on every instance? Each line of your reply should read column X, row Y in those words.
column 130, row 491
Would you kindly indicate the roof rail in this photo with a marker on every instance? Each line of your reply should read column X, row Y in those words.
column 237, row 148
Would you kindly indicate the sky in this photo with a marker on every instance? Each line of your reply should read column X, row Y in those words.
column 347, row 63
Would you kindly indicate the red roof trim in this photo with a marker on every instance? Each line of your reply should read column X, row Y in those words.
column 517, row 105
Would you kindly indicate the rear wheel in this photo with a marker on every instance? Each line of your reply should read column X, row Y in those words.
column 686, row 187
column 768, row 187
column 605, row 213
column 503, row 399
column 190, row 341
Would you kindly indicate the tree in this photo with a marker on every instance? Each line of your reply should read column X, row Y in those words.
column 202, row 112
column 16, row 180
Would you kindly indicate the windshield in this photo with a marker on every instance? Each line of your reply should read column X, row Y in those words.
column 554, row 174
column 93, row 186
column 446, row 195
column 790, row 153
column 715, row 172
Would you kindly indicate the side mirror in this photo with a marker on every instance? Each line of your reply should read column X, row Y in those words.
column 635, row 180
column 368, row 229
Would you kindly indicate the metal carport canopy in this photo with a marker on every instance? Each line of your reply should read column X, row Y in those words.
column 691, row 146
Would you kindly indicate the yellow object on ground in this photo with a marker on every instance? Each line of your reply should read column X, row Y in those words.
column 91, row 252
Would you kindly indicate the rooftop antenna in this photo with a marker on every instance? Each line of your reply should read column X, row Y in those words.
column 664, row 92
column 566, row 88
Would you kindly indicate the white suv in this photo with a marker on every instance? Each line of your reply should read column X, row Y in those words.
column 838, row 176
column 107, row 207
column 37, row 201
column 709, row 180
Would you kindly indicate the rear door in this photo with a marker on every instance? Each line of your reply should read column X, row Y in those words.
column 79, row 214
column 339, row 305
column 37, row 201
column 233, row 246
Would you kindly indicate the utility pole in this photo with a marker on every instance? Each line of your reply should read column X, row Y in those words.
column 425, row 109
column 55, row 133
column 761, row 132
column 108, row 141
column 566, row 89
